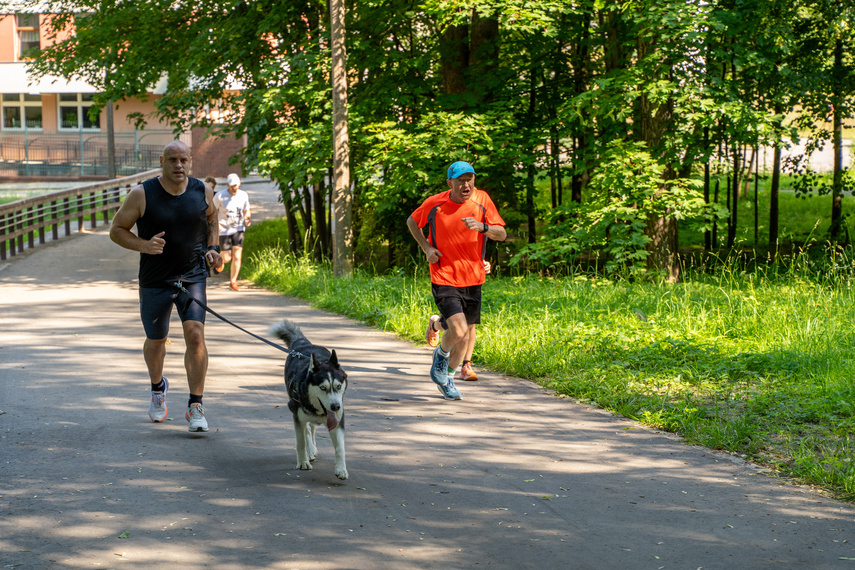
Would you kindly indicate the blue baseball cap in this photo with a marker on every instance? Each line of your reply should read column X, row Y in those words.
column 458, row 168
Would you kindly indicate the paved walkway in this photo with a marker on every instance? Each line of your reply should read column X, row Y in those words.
column 509, row 477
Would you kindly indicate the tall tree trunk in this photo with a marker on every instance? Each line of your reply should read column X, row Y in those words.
column 342, row 198
column 715, row 224
column 298, row 203
column 320, row 218
column 291, row 220
column 329, row 198
column 613, row 50
column 581, row 65
column 483, row 54
column 559, row 173
column 454, row 58
column 306, row 211
column 111, row 142
column 529, row 195
column 576, row 181
column 773, row 200
column 554, row 172
column 734, row 202
column 745, row 172
column 652, row 121
column 391, row 249
column 756, row 200
column 663, row 246
column 707, row 235
column 729, row 195
column 837, row 134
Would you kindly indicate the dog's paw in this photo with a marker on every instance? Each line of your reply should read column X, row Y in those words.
column 305, row 466
column 341, row 472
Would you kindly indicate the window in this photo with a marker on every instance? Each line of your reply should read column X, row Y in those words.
column 18, row 106
column 28, row 34
column 74, row 112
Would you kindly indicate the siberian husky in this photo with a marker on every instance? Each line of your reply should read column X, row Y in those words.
column 316, row 385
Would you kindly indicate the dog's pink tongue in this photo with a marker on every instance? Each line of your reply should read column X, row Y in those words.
column 332, row 421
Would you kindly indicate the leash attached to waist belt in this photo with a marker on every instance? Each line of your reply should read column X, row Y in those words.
column 180, row 287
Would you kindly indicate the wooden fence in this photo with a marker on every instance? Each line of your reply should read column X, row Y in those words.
column 25, row 221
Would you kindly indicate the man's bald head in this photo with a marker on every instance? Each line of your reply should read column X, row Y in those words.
column 176, row 146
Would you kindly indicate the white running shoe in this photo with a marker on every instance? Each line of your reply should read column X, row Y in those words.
column 196, row 416
column 157, row 407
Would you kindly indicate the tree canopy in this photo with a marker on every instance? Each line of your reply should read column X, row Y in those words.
column 622, row 106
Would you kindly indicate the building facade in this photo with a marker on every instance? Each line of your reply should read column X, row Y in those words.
column 46, row 130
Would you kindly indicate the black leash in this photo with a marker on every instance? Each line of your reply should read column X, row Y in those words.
column 181, row 287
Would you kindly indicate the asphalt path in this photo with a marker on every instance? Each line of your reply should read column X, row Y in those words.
column 509, row 477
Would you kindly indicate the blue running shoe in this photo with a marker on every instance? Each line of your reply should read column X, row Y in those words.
column 439, row 368
column 450, row 391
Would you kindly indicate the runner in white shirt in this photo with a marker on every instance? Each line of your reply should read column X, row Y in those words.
column 233, row 212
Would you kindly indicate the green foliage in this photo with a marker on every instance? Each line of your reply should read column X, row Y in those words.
column 627, row 192
column 404, row 164
column 517, row 87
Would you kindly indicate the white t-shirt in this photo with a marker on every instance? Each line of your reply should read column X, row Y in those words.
column 231, row 211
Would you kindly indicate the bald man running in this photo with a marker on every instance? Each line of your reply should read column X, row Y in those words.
column 177, row 238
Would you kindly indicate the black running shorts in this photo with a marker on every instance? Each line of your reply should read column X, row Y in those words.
column 234, row 240
column 156, row 307
column 452, row 300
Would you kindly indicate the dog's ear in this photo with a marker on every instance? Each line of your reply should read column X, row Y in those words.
column 314, row 364
column 334, row 360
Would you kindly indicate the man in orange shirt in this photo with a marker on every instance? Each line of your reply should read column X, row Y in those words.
column 460, row 221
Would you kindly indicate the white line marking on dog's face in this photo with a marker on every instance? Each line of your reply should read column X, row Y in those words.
column 328, row 394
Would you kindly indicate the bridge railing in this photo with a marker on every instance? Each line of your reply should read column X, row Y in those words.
column 31, row 220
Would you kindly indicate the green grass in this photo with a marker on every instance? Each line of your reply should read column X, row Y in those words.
column 12, row 196
column 12, row 191
column 752, row 363
column 800, row 219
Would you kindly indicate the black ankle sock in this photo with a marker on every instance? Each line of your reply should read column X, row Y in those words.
column 194, row 400
column 159, row 386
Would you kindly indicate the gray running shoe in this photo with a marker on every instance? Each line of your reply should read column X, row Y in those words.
column 196, row 416
column 157, row 407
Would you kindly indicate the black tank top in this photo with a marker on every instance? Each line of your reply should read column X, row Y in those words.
column 185, row 222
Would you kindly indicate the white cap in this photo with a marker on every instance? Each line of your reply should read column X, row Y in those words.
column 233, row 180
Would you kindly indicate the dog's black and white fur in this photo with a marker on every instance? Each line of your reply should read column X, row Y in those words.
column 316, row 385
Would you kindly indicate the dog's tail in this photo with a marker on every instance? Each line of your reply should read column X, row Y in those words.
column 288, row 332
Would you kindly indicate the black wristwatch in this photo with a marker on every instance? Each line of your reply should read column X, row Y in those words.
column 486, row 227
column 214, row 247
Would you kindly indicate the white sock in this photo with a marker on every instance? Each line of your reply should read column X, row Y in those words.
column 451, row 374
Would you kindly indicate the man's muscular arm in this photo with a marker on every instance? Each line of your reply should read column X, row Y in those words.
column 126, row 218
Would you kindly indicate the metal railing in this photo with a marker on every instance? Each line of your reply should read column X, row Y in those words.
column 43, row 217
column 80, row 153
